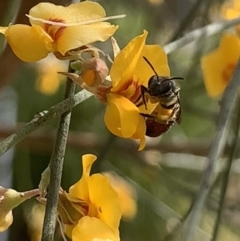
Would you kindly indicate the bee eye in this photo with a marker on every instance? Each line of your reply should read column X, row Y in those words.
column 153, row 81
column 165, row 87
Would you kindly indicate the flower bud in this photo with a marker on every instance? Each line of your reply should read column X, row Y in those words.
column 94, row 72
column 9, row 199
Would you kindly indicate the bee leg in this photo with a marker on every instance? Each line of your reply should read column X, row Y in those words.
column 143, row 91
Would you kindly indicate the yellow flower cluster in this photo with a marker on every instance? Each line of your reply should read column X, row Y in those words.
column 67, row 32
column 92, row 208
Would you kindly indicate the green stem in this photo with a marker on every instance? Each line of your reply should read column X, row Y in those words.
column 56, row 167
column 43, row 118
column 207, row 31
column 235, row 131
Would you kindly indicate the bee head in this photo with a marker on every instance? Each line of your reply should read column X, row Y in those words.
column 161, row 86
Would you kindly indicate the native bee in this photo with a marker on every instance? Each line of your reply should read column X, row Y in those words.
column 164, row 91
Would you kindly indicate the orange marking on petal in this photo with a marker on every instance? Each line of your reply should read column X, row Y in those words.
column 55, row 31
column 102, row 91
column 228, row 71
column 130, row 89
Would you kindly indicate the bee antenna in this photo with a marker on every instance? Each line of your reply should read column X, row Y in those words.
column 173, row 78
column 150, row 65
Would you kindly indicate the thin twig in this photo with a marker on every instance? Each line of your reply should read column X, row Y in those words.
column 207, row 31
column 56, row 166
column 43, row 118
column 228, row 106
column 232, row 148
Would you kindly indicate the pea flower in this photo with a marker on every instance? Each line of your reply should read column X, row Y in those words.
column 95, row 203
column 231, row 10
column 58, row 29
column 128, row 72
column 9, row 199
column 123, row 93
column 218, row 65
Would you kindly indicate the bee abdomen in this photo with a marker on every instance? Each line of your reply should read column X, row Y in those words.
column 155, row 129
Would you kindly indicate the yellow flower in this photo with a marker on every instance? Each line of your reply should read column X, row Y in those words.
column 123, row 93
column 128, row 72
column 231, row 10
column 103, row 212
column 126, row 194
column 58, row 29
column 219, row 65
column 49, row 81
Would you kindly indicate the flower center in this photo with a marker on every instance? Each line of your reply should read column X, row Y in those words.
column 54, row 31
column 130, row 90
column 227, row 72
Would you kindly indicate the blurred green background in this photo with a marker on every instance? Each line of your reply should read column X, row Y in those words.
column 166, row 174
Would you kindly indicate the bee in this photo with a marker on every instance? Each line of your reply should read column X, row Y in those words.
column 162, row 90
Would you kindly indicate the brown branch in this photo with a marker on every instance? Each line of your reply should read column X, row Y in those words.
column 43, row 141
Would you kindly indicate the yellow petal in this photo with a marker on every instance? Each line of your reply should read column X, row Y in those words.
column 230, row 48
column 126, row 194
column 74, row 13
column 121, row 116
column 236, row 5
column 140, row 133
column 105, row 200
column 231, row 13
column 219, row 65
column 212, row 73
column 80, row 189
column 91, row 229
column 158, row 59
column 126, row 61
column 26, row 42
column 76, row 36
